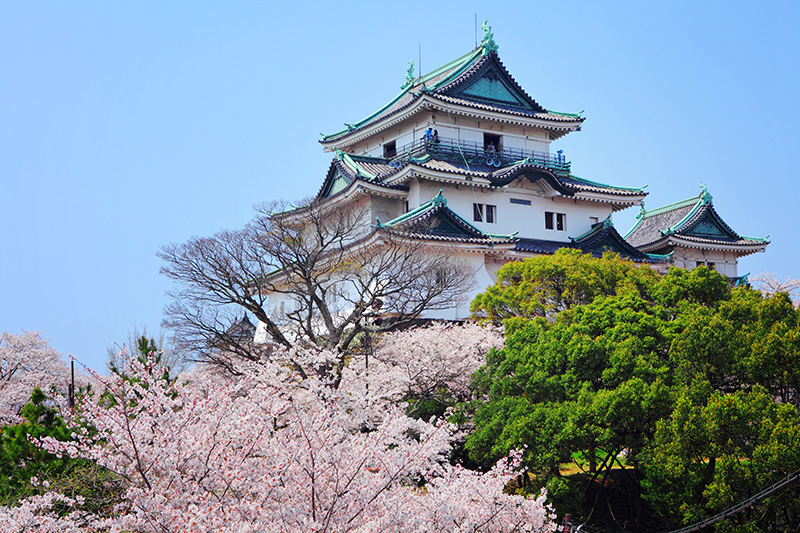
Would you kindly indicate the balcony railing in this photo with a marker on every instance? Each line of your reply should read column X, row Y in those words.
column 476, row 155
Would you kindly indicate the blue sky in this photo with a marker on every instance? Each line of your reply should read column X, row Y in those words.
column 127, row 126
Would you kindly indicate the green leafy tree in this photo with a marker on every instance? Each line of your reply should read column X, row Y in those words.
column 26, row 470
column 592, row 383
column 599, row 361
column 546, row 285
column 711, row 454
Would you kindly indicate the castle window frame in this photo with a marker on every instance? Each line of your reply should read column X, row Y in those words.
column 555, row 221
column 494, row 140
column 490, row 212
column 390, row 149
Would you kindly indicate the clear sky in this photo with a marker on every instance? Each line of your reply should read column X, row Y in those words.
column 125, row 126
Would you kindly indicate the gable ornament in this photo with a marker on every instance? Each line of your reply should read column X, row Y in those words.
column 488, row 43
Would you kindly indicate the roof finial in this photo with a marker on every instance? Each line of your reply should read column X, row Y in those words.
column 439, row 198
column 488, row 43
column 704, row 194
column 409, row 75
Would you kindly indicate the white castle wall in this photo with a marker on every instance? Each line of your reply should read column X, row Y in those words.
column 528, row 220
column 724, row 262
column 453, row 127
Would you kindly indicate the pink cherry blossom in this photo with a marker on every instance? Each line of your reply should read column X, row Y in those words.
column 273, row 452
column 26, row 362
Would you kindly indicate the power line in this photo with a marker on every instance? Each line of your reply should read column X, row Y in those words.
column 736, row 509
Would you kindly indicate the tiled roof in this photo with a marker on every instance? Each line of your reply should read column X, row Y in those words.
column 505, row 109
column 693, row 220
column 447, row 84
column 649, row 227
column 433, row 220
column 540, row 246
column 505, row 175
column 601, row 238
column 377, row 170
column 356, row 168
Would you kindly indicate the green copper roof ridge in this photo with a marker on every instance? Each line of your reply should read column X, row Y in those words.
column 599, row 184
column 368, row 119
column 670, row 207
column 630, row 231
column 419, row 160
column 605, row 224
column 467, row 59
column 500, row 235
column 756, row 239
column 345, row 157
column 660, row 256
column 459, row 65
column 490, row 235
column 376, row 158
column 417, row 210
column 561, row 113
column 437, row 200
column 692, row 212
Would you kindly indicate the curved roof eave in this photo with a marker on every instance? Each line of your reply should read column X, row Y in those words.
column 524, row 170
column 744, row 248
column 425, row 101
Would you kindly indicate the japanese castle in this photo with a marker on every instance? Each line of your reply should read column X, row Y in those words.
column 461, row 158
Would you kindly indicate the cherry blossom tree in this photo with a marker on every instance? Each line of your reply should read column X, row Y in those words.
column 26, row 362
column 273, row 451
column 769, row 284
column 423, row 364
column 330, row 266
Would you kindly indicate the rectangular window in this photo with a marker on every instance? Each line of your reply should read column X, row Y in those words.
column 390, row 149
column 520, row 201
column 493, row 141
column 556, row 221
column 491, row 214
column 477, row 212
column 481, row 210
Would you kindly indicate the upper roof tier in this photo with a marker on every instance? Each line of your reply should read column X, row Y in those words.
column 693, row 222
column 476, row 83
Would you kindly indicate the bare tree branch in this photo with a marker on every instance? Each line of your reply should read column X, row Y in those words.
column 338, row 276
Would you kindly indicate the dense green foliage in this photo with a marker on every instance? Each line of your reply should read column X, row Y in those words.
column 26, row 470
column 689, row 385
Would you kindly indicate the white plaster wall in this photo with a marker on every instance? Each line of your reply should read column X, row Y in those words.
column 724, row 262
column 482, row 279
column 527, row 219
column 453, row 127
column 386, row 209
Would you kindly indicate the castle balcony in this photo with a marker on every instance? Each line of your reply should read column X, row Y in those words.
column 476, row 154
